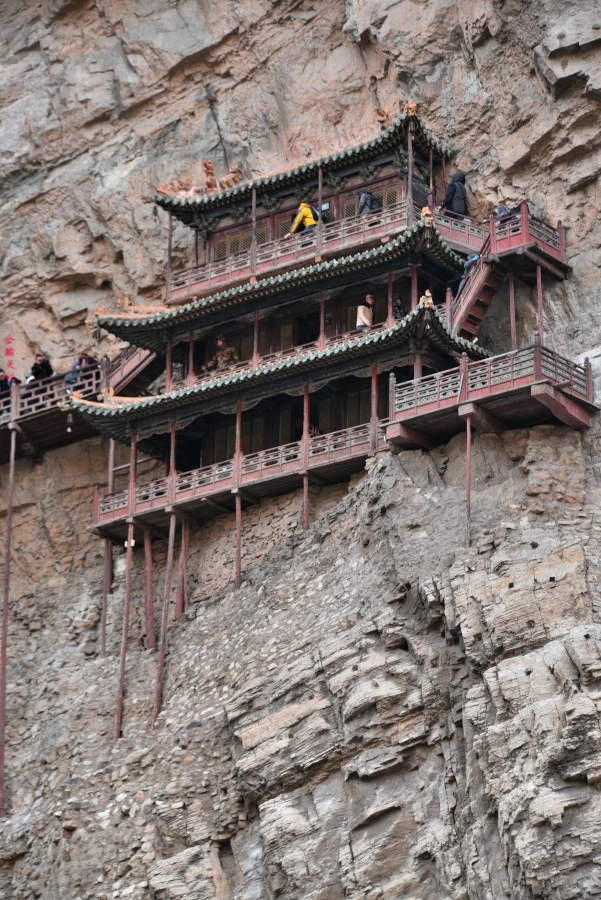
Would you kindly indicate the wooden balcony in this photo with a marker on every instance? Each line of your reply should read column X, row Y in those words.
column 514, row 390
column 337, row 237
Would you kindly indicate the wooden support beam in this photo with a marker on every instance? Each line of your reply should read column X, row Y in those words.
column 255, row 360
column 414, row 288
column 563, row 407
column 222, row 507
column 196, row 247
column 305, row 501
column 153, row 530
column 373, row 422
column 305, row 437
column 111, row 474
column 468, row 480
column 179, row 597
column 238, row 540
column 542, row 261
column 449, row 308
column 191, row 359
column 539, row 305
column 481, row 420
column 390, row 320
column 150, row 635
column 158, row 695
column 321, row 344
column 512, row 311
column 30, row 448
column 169, row 365
column 125, row 631
column 408, row 438
column 417, row 365
column 107, row 580
column 133, row 465
column 5, row 603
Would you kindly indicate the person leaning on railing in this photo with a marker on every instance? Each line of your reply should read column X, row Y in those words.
column 41, row 368
column 225, row 356
column 6, row 381
column 365, row 314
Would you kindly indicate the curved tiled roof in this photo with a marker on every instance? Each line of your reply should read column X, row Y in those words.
column 114, row 419
column 149, row 331
column 179, row 206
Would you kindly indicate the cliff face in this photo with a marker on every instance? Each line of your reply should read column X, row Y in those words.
column 380, row 711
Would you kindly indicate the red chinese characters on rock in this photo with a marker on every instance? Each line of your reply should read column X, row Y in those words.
column 9, row 354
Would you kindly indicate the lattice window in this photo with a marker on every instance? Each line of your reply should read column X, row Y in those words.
column 220, row 249
column 351, row 323
column 261, row 234
column 378, row 195
column 390, row 195
column 225, row 442
column 262, row 341
column 234, row 244
column 350, row 208
column 285, row 425
column 325, row 416
column 284, row 226
column 380, row 309
column 240, row 240
column 382, row 404
column 286, row 337
column 253, row 434
column 246, row 347
column 358, row 407
column 247, row 435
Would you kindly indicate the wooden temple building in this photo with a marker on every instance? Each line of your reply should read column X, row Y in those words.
column 306, row 397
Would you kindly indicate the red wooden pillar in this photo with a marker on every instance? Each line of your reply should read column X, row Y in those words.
column 322, row 322
column 320, row 210
column 5, row 602
column 164, row 620
column 391, row 396
column 125, row 632
column 539, row 305
column 410, row 174
column 133, row 463
column 449, row 308
column 256, row 341
column 417, row 365
column 305, row 438
column 182, row 593
column 390, row 320
column 468, row 478
column 169, row 365
column 512, row 311
column 196, row 247
column 238, row 540
column 492, row 232
column 191, row 360
column 374, row 407
column 169, row 249
column 253, row 246
column 150, row 635
column 414, row 288
column 107, row 575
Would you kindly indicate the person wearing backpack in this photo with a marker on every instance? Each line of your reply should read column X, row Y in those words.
column 367, row 202
column 305, row 221
column 455, row 199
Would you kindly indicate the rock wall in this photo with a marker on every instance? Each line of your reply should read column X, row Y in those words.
column 381, row 711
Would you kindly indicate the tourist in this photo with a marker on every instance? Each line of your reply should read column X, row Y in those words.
column 4, row 382
column 365, row 314
column 455, row 199
column 367, row 202
column 225, row 356
column 41, row 368
column 305, row 221
column 458, row 277
column 397, row 307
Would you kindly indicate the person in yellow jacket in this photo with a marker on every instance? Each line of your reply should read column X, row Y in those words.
column 305, row 216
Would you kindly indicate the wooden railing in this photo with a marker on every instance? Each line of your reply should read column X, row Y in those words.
column 282, row 253
column 129, row 363
column 466, row 234
column 521, row 228
column 474, row 380
column 37, row 397
column 279, row 356
column 465, row 297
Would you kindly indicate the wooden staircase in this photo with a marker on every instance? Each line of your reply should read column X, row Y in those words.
column 133, row 370
column 478, row 291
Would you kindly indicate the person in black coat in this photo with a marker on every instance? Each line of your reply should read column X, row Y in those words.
column 41, row 368
column 455, row 199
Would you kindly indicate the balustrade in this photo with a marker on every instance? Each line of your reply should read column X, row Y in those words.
column 40, row 396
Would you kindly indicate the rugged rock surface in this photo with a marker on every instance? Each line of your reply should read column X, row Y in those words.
column 380, row 711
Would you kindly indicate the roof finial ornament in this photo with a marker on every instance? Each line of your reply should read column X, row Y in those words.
column 384, row 118
column 426, row 300
column 410, row 108
column 426, row 216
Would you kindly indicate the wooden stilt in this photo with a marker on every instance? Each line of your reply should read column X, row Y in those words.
column 186, row 552
column 322, row 322
column 107, row 573
column 256, row 340
column 181, row 576
column 414, row 288
column 133, row 464
column 169, row 365
column 539, row 305
column 374, row 408
column 514, row 342
column 125, row 633
column 164, row 619
column 417, row 365
column 191, row 360
column 169, row 249
column 468, row 479
column 390, row 320
column 150, row 635
column 238, row 540
column 449, row 308
column 305, row 501
column 5, row 602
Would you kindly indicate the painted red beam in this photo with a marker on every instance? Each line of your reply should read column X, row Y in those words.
column 568, row 411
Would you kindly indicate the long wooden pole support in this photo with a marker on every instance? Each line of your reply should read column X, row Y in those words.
column 255, row 362
column 150, row 635
column 164, row 620
column 390, row 315
column 238, row 540
column 321, row 344
column 468, row 479
column 539, row 305
column 169, row 249
column 374, row 408
column 514, row 342
column 125, row 633
column 107, row 574
column 5, row 601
